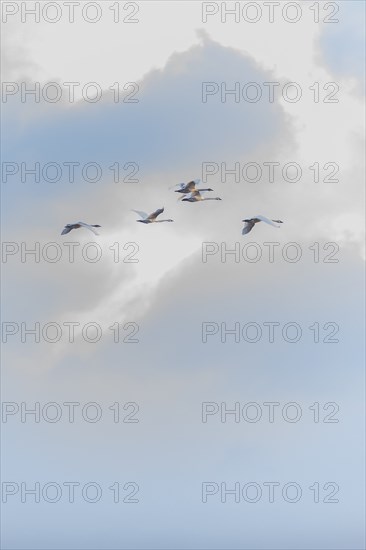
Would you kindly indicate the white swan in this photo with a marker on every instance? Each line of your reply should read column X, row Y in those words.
column 151, row 218
column 189, row 187
column 196, row 196
column 70, row 226
column 250, row 223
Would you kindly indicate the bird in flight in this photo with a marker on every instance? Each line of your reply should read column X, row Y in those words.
column 151, row 218
column 196, row 196
column 250, row 223
column 70, row 226
column 186, row 188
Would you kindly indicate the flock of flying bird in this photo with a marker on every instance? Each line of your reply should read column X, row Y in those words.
column 190, row 194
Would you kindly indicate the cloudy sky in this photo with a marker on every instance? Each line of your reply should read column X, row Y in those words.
column 155, row 332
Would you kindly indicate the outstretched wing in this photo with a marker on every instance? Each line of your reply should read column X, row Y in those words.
column 266, row 220
column 155, row 214
column 248, row 226
column 190, row 195
column 66, row 229
column 191, row 185
column 178, row 186
column 143, row 215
